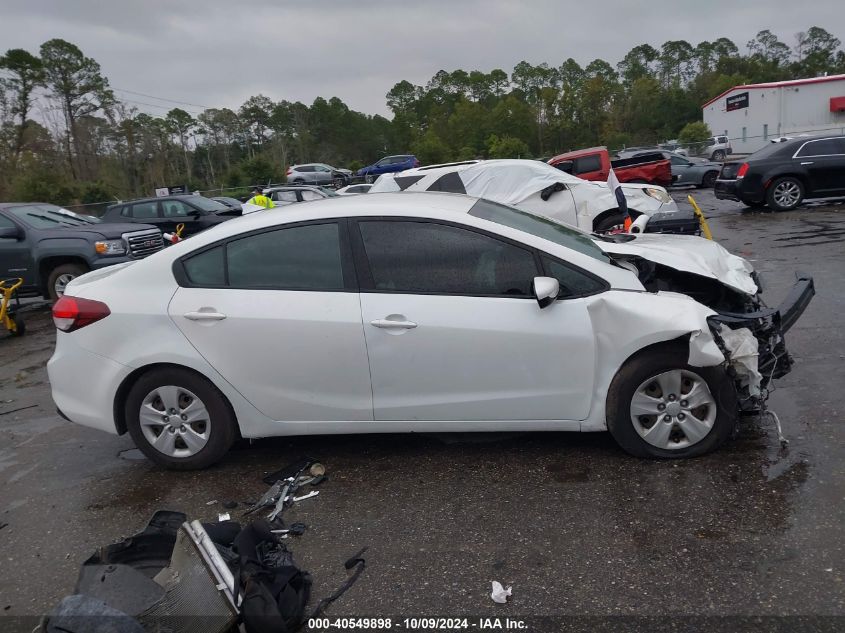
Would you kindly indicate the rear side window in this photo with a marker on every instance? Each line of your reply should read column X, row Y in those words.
column 207, row 268
column 297, row 258
column 424, row 257
column 587, row 164
column 303, row 257
column 285, row 197
column 823, row 147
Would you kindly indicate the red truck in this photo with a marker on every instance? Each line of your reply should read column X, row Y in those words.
column 594, row 164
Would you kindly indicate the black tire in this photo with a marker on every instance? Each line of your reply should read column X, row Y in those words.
column 709, row 179
column 370, row 179
column 608, row 222
column 222, row 428
column 775, row 198
column 20, row 326
column 718, row 155
column 338, row 182
column 62, row 272
column 650, row 364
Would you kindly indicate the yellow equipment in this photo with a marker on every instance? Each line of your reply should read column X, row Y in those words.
column 705, row 228
column 14, row 324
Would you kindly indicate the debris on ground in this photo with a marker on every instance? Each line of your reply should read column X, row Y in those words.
column 500, row 594
column 190, row 577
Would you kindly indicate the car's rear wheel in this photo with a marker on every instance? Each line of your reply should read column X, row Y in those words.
column 60, row 277
column 718, row 155
column 660, row 406
column 785, row 194
column 179, row 420
column 709, row 180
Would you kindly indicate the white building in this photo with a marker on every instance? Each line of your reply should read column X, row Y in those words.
column 753, row 115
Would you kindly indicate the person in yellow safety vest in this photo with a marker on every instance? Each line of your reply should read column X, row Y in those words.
column 260, row 199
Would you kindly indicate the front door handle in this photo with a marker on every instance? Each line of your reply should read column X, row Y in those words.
column 388, row 324
column 808, row 162
column 204, row 316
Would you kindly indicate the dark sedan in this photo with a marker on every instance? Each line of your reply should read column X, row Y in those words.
column 195, row 212
column 783, row 175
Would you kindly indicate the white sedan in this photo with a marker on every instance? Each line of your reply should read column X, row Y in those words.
column 392, row 313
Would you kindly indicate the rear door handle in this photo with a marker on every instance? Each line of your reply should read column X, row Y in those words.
column 387, row 324
column 204, row 316
column 809, row 162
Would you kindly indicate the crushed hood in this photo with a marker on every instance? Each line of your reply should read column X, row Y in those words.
column 690, row 254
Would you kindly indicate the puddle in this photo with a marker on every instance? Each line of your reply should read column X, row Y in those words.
column 132, row 455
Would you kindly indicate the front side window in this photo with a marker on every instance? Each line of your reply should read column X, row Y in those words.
column 176, row 209
column 586, row 164
column 144, row 210
column 573, row 283
column 284, row 197
column 307, row 194
column 424, row 257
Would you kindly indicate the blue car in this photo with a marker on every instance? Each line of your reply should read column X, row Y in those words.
column 388, row 165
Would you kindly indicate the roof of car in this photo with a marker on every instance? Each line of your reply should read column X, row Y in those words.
column 7, row 205
column 175, row 196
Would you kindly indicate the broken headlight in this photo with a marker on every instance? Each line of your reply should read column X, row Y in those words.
column 658, row 194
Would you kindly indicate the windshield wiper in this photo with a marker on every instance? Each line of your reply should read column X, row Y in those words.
column 42, row 217
column 71, row 217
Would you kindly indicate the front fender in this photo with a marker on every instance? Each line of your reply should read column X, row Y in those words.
column 625, row 322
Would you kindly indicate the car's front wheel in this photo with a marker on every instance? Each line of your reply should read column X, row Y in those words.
column 785, row 194
column 370, row 179
column 60, row 277
column 179, row 420
column 660, row 406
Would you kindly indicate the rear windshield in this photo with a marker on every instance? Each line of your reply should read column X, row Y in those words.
column 774, row 149
column 538, row 227
column 49, row 216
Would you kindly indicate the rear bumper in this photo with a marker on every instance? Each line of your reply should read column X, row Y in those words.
column 678, row 222
column 84, row 384
column 726, row 190
column 769, row 326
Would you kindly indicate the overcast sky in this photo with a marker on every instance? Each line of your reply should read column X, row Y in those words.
column 217, row 53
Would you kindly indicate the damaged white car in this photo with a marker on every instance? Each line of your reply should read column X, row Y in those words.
column 406, row 312
column 537, row 187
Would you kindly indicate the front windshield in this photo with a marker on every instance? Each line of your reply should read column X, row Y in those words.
column 212, row 206
column 539, row 227
column 49, row 216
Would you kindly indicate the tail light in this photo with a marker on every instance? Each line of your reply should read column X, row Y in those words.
column 289, row 171
column 73, row 313
column 742, row 170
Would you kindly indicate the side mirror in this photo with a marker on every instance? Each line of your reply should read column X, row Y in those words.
column 194, row 213
column 546, row 290
column 10, row 233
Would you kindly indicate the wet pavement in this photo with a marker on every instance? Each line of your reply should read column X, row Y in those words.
column 575, row 525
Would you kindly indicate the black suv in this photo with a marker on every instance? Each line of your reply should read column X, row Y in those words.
column 195, row 212
column 784, row 174
column 48, row 246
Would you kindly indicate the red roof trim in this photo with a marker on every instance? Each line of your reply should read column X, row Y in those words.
column 779, row 84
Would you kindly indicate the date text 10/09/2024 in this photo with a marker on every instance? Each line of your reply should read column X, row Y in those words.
column 417, row 624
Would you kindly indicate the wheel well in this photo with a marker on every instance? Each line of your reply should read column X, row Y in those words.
column 680, row 345
column 800, row 178
column 46, row 265
column 119, row 406
column 604, row 214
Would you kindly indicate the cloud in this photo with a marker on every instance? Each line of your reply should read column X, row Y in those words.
column 218, row 53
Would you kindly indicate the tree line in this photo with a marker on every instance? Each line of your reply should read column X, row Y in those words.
column 66, row 137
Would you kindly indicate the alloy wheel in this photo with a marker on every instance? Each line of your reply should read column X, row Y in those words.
column 61, row 283
column 175, row 421
column 673, row 410
column 787, row 193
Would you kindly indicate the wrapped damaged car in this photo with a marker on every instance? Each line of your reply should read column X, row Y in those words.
column 536, row 187
column 411, row 312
